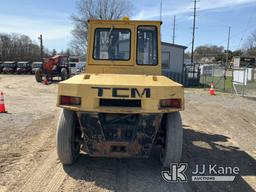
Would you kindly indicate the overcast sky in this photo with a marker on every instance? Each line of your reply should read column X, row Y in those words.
column 52, row 19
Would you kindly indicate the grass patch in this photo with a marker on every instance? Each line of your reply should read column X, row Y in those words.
column 218, row 82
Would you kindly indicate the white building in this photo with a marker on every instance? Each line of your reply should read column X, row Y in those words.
column 244, row 62
column 173, row 61
column 173, row 57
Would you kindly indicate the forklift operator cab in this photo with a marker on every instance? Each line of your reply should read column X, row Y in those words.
column 129, row 47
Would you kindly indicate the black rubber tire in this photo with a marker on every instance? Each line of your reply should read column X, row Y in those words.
column 39, row 75
column 68, row 149
column 172, row 150
column 64, row 74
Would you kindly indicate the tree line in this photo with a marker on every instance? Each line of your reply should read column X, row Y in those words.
column 217, row 54
column 18, row 47
column 214, row 54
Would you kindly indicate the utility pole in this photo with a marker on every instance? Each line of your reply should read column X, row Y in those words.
column 41, row 46
column 226, row 65
column 229, row 29
column 174, row 28
column 161, row 6
column 193, row 37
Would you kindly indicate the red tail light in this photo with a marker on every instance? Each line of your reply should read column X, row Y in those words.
column 170, row 103
column 68, row 100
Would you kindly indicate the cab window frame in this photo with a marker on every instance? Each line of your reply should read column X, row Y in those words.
column 130, row 42
column 157, row 46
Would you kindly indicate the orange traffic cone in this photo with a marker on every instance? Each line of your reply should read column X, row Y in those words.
column 2, row 105
column 46, row 81
column 212, row 91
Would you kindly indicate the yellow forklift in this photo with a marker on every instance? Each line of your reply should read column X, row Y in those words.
column 121, row 106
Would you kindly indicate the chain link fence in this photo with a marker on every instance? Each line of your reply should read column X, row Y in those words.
column 240, row 81
column 218, row 75
column 244, row 82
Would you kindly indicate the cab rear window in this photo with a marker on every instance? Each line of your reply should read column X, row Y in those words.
column 112, row 44
column 147, row 50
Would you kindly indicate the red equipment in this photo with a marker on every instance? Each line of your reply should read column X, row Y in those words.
column 56, row 66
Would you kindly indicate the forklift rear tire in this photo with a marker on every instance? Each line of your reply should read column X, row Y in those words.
column 63, row 74
column 172, row 149
column 68, row 147
column 38, row 75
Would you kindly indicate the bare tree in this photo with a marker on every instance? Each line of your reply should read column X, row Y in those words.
column 250, row 45
column 54, row 52
column 18, row 47
column 95, row 9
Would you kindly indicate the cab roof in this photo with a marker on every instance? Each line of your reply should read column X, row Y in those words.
column 23, row 62
column 138, row 22
column 9, row 62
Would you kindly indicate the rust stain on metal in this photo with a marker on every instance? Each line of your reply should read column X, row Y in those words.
column 114, row 135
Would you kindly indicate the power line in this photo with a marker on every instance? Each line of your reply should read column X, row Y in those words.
column 161, row 7
column 246, row 28
column 188, row 45
column 233, row 36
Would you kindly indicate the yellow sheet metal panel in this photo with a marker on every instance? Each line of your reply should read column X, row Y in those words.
column 88, row 89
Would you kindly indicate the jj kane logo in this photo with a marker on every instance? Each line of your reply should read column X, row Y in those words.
column 177, row 173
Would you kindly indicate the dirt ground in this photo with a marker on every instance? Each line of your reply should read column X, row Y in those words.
column 218, row 130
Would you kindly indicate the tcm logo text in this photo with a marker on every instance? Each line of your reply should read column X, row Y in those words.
column 124, row 92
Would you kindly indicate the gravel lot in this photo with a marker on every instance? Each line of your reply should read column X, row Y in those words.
column 218, row 130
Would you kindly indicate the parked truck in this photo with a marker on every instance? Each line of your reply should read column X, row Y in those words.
column 35, row 66
column 24, row 67
column 1, row 67
column 9, row 67
column 73, row 64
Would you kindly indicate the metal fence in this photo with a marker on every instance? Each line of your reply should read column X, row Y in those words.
column 178, row 77
column 188, row 78
column 192, row 75
column 244, row 82
column 218, row 75
column 240, row 81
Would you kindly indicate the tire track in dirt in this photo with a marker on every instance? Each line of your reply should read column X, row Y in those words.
column 47, row 177
column 56, row 180
column 32, row 148
column 38, row 175
column 90, row 174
